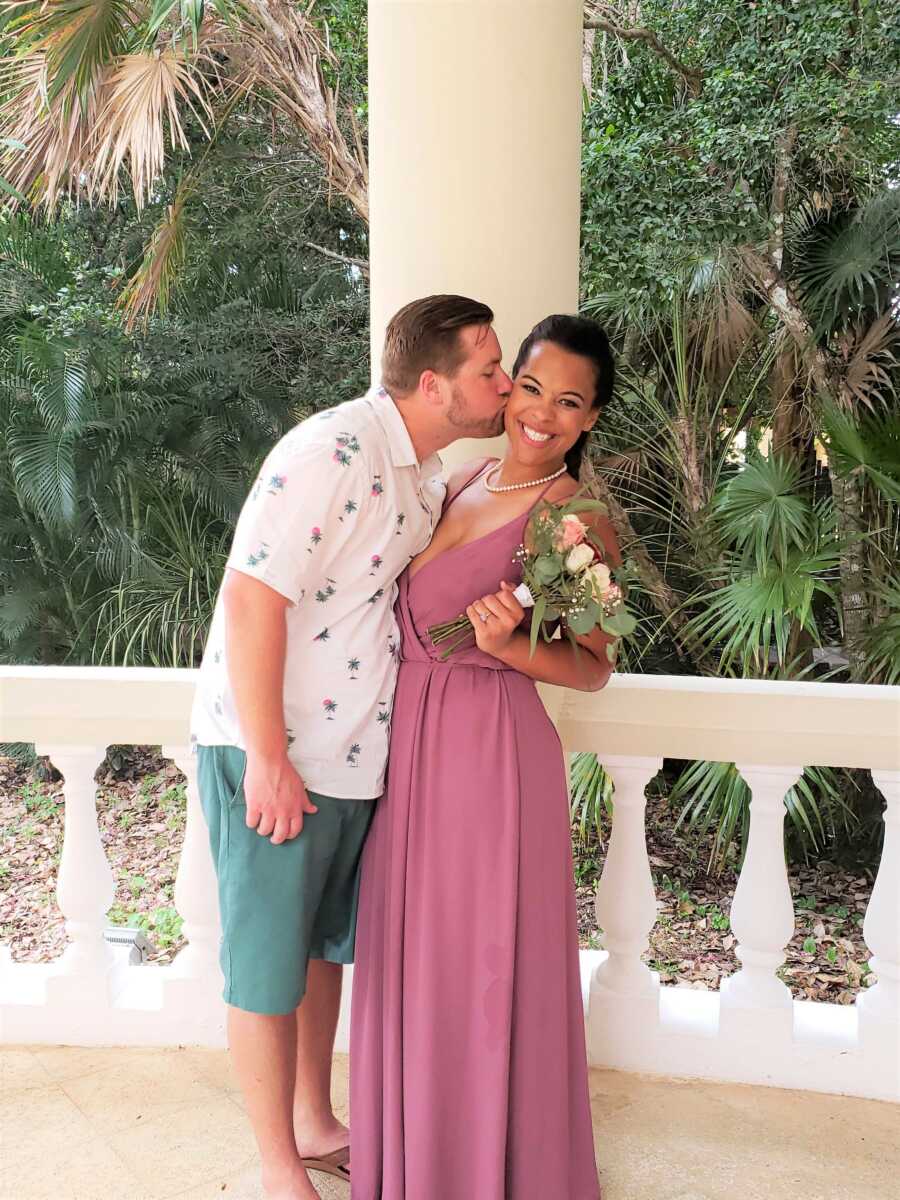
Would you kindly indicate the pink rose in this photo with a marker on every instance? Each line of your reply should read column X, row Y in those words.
column 571, row 532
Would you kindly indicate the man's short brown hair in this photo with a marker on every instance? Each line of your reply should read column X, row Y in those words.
column 424, row 336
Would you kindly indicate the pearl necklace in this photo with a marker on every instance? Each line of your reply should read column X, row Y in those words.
column 514, row 487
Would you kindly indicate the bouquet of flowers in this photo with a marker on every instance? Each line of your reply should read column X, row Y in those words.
column 564, row 578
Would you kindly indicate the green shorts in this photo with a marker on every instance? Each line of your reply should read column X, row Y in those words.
column 280, row 905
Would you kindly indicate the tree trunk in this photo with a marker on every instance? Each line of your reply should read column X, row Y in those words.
column 848, row 507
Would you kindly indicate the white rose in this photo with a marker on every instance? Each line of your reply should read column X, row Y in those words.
column 579, row 557
column 600, row 578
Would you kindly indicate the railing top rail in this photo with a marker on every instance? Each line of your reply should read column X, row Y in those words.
column 747, row 721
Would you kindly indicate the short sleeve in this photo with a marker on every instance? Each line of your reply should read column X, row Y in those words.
column 299, row 513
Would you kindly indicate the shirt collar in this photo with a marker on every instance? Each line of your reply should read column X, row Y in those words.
column 403, row 452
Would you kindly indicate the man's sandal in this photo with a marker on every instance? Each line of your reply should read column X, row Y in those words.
column 337, row 1163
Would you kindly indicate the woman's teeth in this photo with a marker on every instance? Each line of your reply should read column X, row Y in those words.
column 533, row 436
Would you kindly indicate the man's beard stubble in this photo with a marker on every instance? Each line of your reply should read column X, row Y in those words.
column 459, row 417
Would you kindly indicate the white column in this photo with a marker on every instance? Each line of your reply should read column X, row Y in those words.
column 474, row 148
column 762, row 912
column 85, row 883
column 626, row 899
column 879, row 1006
column 196, row 895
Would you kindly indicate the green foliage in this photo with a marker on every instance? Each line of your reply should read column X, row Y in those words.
column 590, row 803
column 713, row 795
column 868, row 445
column 125, row 456
column 668, row 175
column 882, row 642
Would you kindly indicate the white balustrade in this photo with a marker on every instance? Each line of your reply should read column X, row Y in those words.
column 626, row 901
column 762, row 911
column 752, row 1031
column 879, row 1006
column 196, row 898
column 85, row 883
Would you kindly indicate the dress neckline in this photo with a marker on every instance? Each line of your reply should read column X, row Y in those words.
column 523, row 516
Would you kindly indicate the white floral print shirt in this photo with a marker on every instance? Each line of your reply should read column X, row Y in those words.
column 340, row 507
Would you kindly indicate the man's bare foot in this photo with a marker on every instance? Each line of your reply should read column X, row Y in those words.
column 316, row 1139
column 287, row 1184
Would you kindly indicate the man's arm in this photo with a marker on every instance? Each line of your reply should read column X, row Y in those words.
column 255, row 648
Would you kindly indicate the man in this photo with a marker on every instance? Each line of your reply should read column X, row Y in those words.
column 293, row 707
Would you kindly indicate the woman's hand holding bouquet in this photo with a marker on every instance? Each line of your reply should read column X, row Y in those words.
column 564, row 578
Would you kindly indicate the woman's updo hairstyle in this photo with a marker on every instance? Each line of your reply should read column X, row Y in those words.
column 577, row 335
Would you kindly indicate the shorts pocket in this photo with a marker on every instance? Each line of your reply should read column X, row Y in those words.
column 233, row 770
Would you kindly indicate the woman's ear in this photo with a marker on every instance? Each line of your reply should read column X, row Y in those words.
column 591, row 419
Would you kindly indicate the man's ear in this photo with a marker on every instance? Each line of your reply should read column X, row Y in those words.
column 430, row 387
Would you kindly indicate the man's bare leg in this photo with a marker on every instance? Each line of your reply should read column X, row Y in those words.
column 264, row 1052
column 316, row 1128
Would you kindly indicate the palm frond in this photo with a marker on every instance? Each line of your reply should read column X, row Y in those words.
column 590, row 805
column 869, row 445
column 871, row 361
column 144, row 95
column 715, row 794
column 76, row 39
column 846, row 261
column 44, row 467
column 761, row 512
column 754, row 613
column 151, row 286
column 882, row 641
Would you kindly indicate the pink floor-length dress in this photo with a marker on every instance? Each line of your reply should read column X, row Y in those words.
column 467, row 1058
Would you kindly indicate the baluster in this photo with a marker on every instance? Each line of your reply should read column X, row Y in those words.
column 85, row 885
column 626, row 901
column 762, row 912
column 196, row 897
column 879, row 1006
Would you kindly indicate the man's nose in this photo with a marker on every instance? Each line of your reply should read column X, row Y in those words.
column 504, row 386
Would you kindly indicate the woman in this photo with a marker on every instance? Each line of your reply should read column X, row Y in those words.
column 469, row 1076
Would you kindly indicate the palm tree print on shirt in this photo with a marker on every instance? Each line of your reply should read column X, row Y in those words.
column 330, row 707
column 345, row 446
column 315, row 536
column 377, row 486
column 401, row 520
column 253, row 560
column 353, row 665
column 353, row 754
column 276, row 484
column 349, row 509
column 325, row 594
column 377, row 561
column 323, row 636
column 376, row 596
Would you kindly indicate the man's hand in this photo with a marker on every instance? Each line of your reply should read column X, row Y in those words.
column 495, row 619
column 276, row 798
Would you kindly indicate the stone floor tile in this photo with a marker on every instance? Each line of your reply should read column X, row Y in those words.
column 68, row 1062
column 19, row 1069
column 118, row 1097
column 187, row 1147
column 87, row 1170
column 37, row 1120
